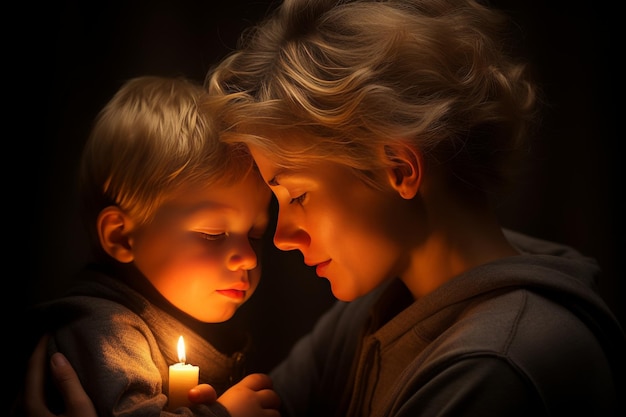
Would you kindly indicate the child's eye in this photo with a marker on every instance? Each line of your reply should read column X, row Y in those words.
column 299, row 199
column 212, row 237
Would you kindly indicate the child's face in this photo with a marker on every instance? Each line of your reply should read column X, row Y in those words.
column 201, row 250
column 354, row 235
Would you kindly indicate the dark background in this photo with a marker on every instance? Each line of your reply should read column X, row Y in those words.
column 85, row 50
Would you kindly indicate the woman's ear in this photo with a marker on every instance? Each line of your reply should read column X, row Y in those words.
column 113, row 227
column 405, row 172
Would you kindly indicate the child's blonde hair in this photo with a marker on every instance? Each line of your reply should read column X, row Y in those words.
column 342, row 80
column 149, row 141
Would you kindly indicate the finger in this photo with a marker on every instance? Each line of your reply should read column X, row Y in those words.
column 202, row 394
column 269, row 399
column 34, row 397
column 76, row 399
column 257, row 381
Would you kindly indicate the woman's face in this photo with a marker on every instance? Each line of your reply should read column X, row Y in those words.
column 352, row 234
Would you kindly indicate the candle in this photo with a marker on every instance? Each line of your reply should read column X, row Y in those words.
column 183, row 377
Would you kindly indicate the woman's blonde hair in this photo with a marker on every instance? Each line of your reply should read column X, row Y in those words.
column 344, row 80
column 149, row 141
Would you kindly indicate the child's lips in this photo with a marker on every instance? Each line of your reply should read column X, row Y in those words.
column 233, row 293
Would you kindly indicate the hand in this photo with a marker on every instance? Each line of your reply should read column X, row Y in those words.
column 78, row 404
column 251, row 397
column 202, row 394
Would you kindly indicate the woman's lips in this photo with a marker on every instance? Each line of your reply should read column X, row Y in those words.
column 320, row 269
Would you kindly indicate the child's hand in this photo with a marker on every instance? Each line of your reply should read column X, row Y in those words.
column 251, row 397
column 202, row 394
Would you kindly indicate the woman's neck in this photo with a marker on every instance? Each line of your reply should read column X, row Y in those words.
column 455, row 239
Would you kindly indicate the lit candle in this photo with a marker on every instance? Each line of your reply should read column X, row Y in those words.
column 183, row 377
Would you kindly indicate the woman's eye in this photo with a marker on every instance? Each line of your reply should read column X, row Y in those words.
column 298, row 199
column 212, row 237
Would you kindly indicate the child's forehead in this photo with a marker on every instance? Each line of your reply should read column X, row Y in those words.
column 240, row 198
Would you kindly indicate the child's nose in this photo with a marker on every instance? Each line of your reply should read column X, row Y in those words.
column 243, row 256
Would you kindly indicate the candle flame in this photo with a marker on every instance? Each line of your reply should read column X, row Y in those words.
column 181, row 350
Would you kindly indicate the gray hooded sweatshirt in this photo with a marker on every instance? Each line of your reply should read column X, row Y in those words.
column 121, row 341
column 523, row 336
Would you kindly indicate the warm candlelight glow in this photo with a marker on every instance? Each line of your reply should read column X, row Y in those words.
column 181, row 350
column 183, row 377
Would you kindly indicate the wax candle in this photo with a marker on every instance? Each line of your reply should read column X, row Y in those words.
column 183, row 377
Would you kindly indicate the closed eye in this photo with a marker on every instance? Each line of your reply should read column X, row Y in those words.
column 299, row 199
column 212, row 237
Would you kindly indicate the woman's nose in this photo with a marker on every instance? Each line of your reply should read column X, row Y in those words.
column 290, row 236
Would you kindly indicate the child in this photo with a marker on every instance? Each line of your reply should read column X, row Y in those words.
column 176, row 219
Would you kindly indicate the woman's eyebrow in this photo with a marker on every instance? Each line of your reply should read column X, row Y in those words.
column 280, row 175
column 277, row 176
